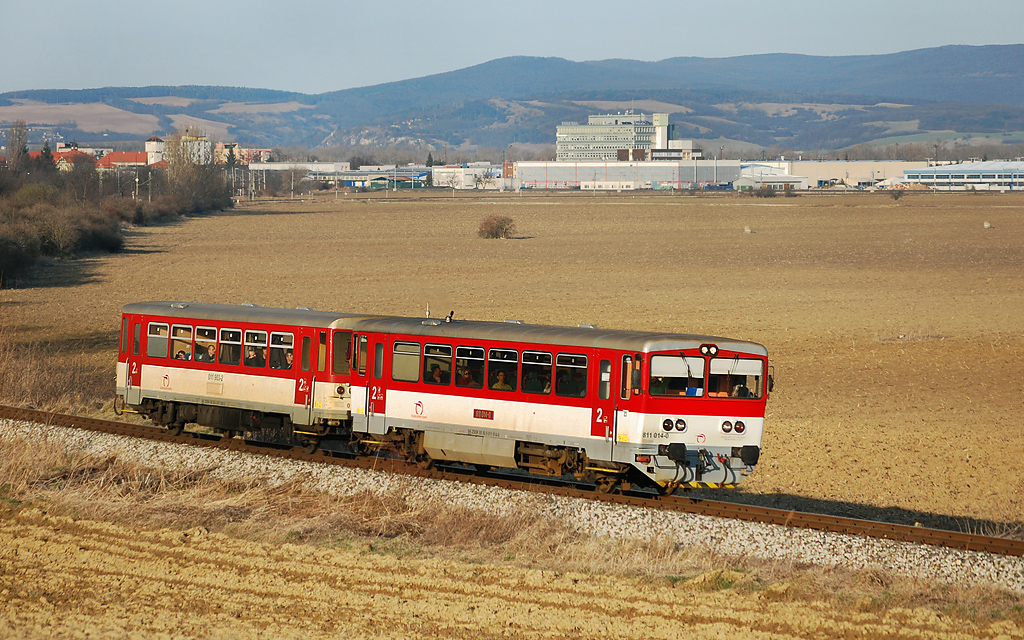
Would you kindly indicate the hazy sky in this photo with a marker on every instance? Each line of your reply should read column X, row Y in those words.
column 315, row 46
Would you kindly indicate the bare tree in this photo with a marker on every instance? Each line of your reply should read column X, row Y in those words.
column 17, row 145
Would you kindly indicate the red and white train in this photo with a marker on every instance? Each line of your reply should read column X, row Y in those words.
column 613, row 408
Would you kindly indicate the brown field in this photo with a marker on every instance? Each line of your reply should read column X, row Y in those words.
column 896, row 329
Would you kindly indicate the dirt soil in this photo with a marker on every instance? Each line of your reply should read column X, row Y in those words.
column 68, row 578
column 895, row 329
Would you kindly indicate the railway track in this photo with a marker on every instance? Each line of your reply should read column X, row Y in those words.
column 716, row 508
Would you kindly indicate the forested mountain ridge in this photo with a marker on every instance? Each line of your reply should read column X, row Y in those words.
column 796, row 101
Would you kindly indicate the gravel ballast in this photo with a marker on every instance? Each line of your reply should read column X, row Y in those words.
column 721, row 536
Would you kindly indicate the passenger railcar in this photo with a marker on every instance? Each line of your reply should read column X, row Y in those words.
column 608, row 407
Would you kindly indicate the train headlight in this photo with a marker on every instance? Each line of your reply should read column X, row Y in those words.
column 667, row 425
column 709, row 349
column 726, row 426
column 739, row 427
column 680, row 425
column 341, row 390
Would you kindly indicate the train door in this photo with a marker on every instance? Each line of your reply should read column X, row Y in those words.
column 368, row 385
column 376, row 394
column 603, row 411
column 304, row 379
column 133, row 364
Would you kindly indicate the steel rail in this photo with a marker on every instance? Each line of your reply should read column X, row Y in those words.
column 699, row 506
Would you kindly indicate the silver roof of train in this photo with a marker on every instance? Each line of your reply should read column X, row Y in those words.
column 640, row 341
column 244, row 313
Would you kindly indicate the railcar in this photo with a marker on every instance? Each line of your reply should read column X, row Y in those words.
column 609, row 407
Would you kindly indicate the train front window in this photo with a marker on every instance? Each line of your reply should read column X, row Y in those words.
column 736, row 378
column 156, row 340
column 676, row 376
column 230, row 346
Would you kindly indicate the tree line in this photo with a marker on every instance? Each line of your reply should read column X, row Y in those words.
column 63, row 213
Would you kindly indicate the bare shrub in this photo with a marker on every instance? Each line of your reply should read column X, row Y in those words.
column 497, row 227
column 896, row 194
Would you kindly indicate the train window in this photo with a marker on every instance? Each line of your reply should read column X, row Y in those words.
column 255, row 349
column 502, row 369
column 571, row 375
column 536, row 372
column 627, row 370
column 136, row 338
column 156, row 340
column 378, row 360
column 676, row 376
column 469, row 367
column 354, row 351
column 321, row 353
column 304, row 362
column 405, row 362
column 230, row 346
column 281, row 350
column 437, row 364
column 604, row 390
column 735, row 378
column 362, row 355
column 181, row 342
column 341, row 354
column 206, row 344
column 125, row 328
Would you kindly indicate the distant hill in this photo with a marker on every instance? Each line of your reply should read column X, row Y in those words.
column 795, row 101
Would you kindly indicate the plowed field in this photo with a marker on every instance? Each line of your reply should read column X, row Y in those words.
column 896, row 330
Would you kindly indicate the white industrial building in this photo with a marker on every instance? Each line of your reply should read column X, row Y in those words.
column 820, row 174
column 475, row 175
column 620, row 176
column 977, row 176
column 623, row 136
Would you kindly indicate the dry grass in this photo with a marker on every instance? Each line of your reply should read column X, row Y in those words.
column 50, row 377
column 44, row 475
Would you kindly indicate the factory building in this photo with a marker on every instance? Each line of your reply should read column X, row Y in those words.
column 977, row 176
column 626, row 136
column 626, row 176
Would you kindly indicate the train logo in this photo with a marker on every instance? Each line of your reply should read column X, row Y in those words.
column 419, row 409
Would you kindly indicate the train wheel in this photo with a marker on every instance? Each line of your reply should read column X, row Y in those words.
column 176, row 429
column 310, row 445
column 606, row 484
column 425, row 462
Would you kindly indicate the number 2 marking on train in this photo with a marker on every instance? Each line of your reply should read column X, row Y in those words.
column 302, row 385
column 375, row 393
column 600, row 415
column 135, row 368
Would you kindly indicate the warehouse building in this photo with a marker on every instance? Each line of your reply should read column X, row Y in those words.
column 976, row 176
column 625, row 176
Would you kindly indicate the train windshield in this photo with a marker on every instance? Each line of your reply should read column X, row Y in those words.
column 736, row 378
column 677, row 376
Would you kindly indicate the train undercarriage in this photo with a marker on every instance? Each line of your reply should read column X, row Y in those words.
column 410, row 445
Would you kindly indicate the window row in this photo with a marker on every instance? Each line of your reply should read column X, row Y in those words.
column 249, row 347
column 539, row 372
